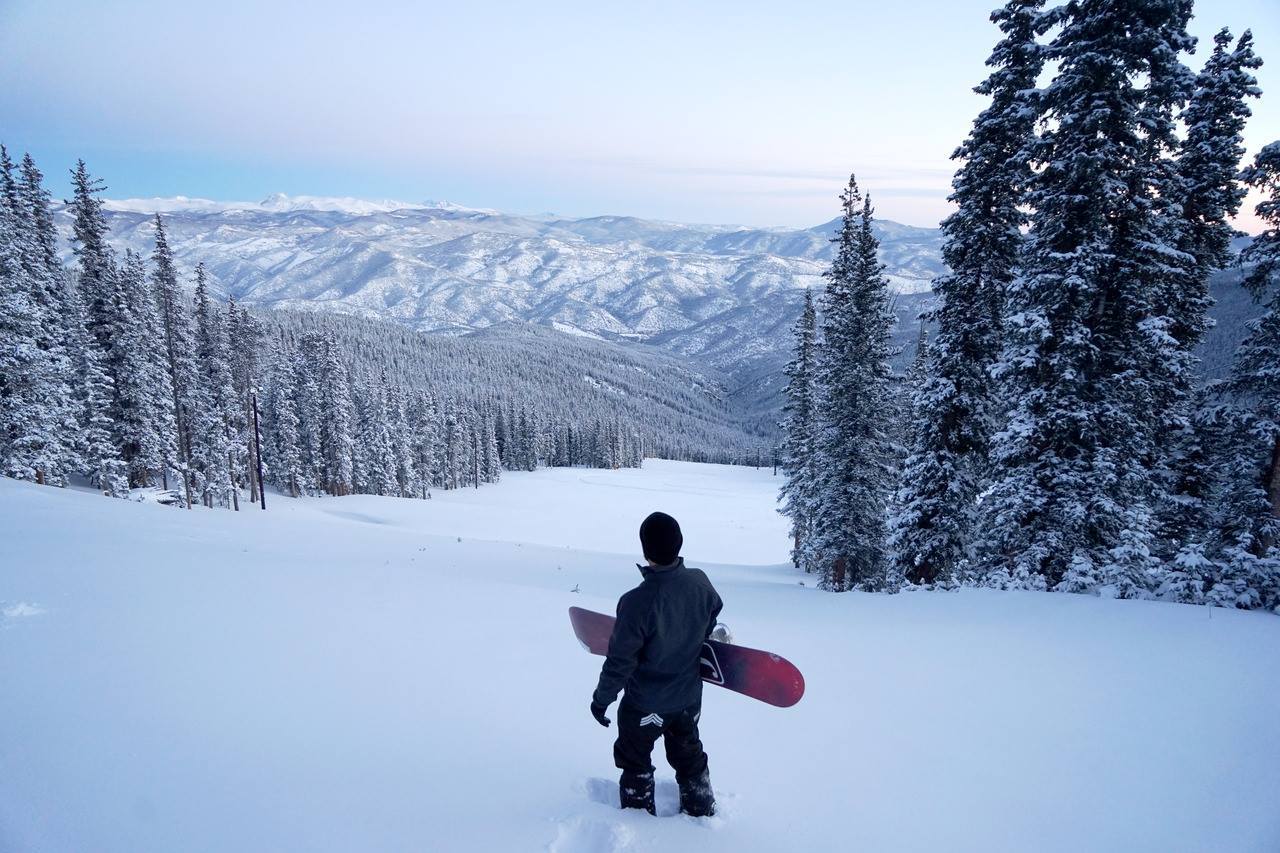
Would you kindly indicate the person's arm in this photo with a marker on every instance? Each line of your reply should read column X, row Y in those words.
column 625, row 644
column 716, row 605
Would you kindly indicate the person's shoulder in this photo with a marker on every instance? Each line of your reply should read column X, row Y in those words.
column 635, row 597
column 697, row 574
column 699, row 577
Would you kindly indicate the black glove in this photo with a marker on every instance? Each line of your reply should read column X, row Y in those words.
column 597, row 711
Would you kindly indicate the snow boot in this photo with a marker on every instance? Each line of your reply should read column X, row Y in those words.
column 635, row 790
column 696, row 796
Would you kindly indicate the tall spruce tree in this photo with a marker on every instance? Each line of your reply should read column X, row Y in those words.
column 798, row 452
column 185, row 386
column 91, row 298
column 1247, row 511
column 335, row 415
column 143, row 410
column 94, row 391
column 53, row 425
column 220, row 420
column 954, row 405
column 1209, row 194
column 847, row 546
column 243, row 341
column 95, row 262
column 21, row 362
column 1070, row 505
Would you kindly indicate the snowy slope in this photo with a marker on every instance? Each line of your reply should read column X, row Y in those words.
column 374, row 674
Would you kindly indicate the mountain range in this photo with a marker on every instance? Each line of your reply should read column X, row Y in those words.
column 721, row 296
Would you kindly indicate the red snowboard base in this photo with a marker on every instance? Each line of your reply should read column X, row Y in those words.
column 751, row 672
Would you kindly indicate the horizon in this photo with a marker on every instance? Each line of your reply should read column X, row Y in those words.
column 753, row 119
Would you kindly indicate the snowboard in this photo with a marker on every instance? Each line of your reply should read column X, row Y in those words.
column 751, row 672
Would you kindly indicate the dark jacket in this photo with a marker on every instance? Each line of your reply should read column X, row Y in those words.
column 656, row 641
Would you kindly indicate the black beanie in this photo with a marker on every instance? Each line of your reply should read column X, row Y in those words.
column 660, row 538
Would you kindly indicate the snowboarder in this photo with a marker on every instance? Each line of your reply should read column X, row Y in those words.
column 653, row 657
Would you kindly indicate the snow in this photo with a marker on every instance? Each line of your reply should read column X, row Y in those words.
column 378, row 674
column 18, row 610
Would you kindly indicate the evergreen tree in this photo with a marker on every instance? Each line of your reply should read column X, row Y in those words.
column 406, row 472
column 283, row 448
column 95, row 278
column 1070, row 504
column 491, row 464
column 848, row 541
column 954, row 405
column 1196, row 200
column 337, row 421
column 424, row 426
column 93, row 394
column 376, row 464
column 798, row 454
column 53, row 420
column 143, row 409
column 243, row 341
column 1247, row 553
column 183, row 373
column 221, row 418
column 22, row 442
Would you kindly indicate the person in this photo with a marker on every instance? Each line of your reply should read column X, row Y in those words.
column 653, row 658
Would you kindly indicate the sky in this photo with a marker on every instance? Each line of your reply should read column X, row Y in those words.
column 725, row 112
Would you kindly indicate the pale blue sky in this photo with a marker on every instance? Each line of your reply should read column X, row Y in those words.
column 711, row 112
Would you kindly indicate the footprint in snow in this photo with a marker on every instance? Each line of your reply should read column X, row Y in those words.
column 12, row 612
column 583, row 835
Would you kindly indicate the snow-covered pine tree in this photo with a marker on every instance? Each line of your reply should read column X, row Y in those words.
column 1261, row 258
column 424, row 425
column 283, row 449
column 335, row 416
column 143, row 410
column 222, row 418
column 525, row 441
column 20, row 358
column 954, row 405
column 91, row 302
column 1196, row 200
column 307, row 396
column 407, row 474
column 847, row 545
column 33, row 391
column 1209, row 157
column 243, row 340
column 797, row 454
column 185, row 386
column 93, row 393
column 1247, row 553
column 491, row 464
column 454, row 451
column 374, row 442
column 95, row 262
column 1069, row 507
column 53, row 425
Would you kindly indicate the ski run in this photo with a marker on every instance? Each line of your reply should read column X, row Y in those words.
column 373, row 673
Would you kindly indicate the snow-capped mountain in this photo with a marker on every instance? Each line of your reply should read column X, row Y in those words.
column 725, row 295
column 721, row 296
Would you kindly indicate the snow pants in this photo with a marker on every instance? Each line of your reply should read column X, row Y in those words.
column 638, row 731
